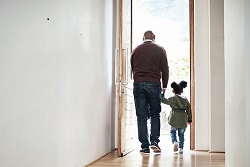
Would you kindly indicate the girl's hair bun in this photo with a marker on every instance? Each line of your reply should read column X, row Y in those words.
column 183, row 84
column 178, row 88
column 173, row 85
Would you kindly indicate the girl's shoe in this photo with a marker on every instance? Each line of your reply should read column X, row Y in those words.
column 180, row 150
column 175, row 146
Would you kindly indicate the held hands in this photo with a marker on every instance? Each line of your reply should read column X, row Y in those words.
column 163, row 90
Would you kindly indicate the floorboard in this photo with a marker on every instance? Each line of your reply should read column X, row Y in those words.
column 167, row 158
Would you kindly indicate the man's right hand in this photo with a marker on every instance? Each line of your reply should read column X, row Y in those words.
column 163, row 90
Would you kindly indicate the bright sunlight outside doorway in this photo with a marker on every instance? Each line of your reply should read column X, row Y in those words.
column 169, row 20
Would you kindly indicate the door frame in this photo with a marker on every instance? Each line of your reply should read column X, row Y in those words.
column 192, row 68
column 192, row 73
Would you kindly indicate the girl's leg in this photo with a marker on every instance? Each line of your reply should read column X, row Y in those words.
column 181, row 137
column 173, row 134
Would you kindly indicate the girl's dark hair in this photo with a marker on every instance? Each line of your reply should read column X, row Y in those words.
column 178, row 88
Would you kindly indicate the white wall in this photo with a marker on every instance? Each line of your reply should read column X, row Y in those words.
column 201, row 59
column 115, row 44
column 56, row 82
column 209, row 76
column 216, row 77
column 237, row 82
column 247, row 80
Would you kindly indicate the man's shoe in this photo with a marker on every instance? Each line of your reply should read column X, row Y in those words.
column 175, row 146
column 154, row 146
column 180, row 150
column 145, row 151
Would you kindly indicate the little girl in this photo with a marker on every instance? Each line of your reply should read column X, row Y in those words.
column 180, row 114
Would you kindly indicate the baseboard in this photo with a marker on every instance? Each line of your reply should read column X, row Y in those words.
column 201, row 150
column 216, row 152
column 209, row 151
column 99, row 158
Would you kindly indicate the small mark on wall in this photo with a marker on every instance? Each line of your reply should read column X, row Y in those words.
column 47, row 18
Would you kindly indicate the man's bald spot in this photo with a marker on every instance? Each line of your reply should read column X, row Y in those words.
column 149, row 35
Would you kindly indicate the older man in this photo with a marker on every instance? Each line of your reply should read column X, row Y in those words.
column 150, row 73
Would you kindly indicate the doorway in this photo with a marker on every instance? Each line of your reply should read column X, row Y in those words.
column 172, row 23
column 180, row 50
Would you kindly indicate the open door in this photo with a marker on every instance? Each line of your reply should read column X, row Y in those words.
column 125, row 99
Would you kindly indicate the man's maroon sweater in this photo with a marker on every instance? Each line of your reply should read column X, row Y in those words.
column 149, row 64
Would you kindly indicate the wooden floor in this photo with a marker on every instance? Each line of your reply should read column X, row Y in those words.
column 165, row 159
